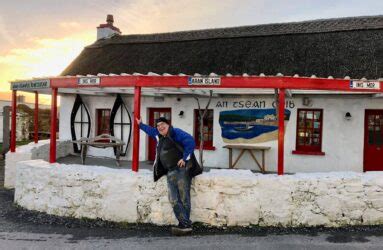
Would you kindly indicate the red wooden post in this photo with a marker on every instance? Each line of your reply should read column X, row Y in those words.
column 13, row 121
column 136, row 129
column 52, row 152
column 36, row 118
column 281, row 130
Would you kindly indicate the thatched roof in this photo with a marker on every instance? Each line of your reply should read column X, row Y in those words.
column 337, row 47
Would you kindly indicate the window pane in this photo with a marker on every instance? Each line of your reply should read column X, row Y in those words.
column 370, row 135
column 302, row 115
column 301, row 141
column 379, row 139
column 371, row 120
column 309, row 123
column 103, row 119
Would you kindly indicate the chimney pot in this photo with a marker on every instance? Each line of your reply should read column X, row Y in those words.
column 109, row 19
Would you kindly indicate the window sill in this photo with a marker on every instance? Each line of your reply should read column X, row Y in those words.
column 297, row 152
column 206, row 148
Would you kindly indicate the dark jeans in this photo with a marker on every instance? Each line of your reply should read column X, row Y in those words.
column 179, row 195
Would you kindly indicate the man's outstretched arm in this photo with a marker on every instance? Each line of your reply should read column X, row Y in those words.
column 152, row 132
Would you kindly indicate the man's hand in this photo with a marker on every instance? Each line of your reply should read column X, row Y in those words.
column 181, row 163
column 138, row 121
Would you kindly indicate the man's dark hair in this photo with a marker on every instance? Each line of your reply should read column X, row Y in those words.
column 162, row 119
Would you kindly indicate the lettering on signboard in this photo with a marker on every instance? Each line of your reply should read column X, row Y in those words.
column 34, row 84
column 248, row 104
column 364, row 84
column 204, row 80
column 89, row 81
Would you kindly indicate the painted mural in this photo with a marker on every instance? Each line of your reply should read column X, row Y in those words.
column 250, row 125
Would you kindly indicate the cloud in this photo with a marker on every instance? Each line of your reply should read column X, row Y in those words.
column 44, row 57
column 4, row 33
column 151, row 16
column 70, row 25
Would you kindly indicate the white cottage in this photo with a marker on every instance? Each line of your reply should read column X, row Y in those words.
column 321, row 77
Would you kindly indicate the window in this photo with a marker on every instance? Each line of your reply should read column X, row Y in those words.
column 121, row 123
column 80, row 122
column 103, row 121
column 207, row 130
column 309, row 132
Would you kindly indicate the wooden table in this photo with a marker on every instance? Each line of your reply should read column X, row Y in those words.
column 101, row 141
column 250, row 149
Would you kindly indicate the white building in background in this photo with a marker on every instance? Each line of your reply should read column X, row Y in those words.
column 325, row 130
column 22, row 119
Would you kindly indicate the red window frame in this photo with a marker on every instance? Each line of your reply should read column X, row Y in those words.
column 103, row 117
column 308, row 147
column 207, row 144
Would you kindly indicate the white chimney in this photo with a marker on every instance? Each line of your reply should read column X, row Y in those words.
column 107, row 30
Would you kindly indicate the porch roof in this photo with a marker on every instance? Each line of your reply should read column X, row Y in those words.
column 166, row 84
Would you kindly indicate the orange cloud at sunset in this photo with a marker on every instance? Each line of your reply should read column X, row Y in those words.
column 44, row 57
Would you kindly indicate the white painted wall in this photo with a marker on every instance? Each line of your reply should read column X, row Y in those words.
column 219, row 197
column 31, row 151
column 342, row 142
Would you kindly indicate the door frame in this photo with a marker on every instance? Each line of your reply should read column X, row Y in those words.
column 365, row 138
column 150, row 120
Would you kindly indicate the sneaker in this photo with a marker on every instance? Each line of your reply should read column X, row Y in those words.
column 181, row 231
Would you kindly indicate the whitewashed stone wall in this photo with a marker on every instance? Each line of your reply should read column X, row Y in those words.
column 219, row 197
column 31, row 151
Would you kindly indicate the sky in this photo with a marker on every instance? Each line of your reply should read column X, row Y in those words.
column 41, row 37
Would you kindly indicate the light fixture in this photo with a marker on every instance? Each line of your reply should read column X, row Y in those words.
column 306, row 101
column 348, row 116
column 181, row 114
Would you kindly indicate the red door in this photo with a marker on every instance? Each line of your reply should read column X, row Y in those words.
column 155, row 113
column 373, row 140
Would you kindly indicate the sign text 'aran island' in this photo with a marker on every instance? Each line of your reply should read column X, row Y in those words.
column 207, row 80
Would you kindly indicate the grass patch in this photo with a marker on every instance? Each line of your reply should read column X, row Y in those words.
column 24, row 142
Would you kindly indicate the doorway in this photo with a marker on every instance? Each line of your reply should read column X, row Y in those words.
column 373, row 141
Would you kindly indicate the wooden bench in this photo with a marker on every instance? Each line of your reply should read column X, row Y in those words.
column 101, row 141
column 250, row 149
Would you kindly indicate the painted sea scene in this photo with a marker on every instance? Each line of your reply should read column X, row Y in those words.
column 250, row 125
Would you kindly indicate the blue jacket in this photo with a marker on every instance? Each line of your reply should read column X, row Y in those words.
column 178, row 135
column 184, row 140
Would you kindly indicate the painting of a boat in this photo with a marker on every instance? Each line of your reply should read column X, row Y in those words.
column 249, row 125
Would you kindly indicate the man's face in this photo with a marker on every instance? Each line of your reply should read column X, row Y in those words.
column 163, row 128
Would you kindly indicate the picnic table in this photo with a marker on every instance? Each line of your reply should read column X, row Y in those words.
column 101, row 141
column 250, row 149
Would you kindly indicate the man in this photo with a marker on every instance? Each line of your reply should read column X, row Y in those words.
column 175, row 159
